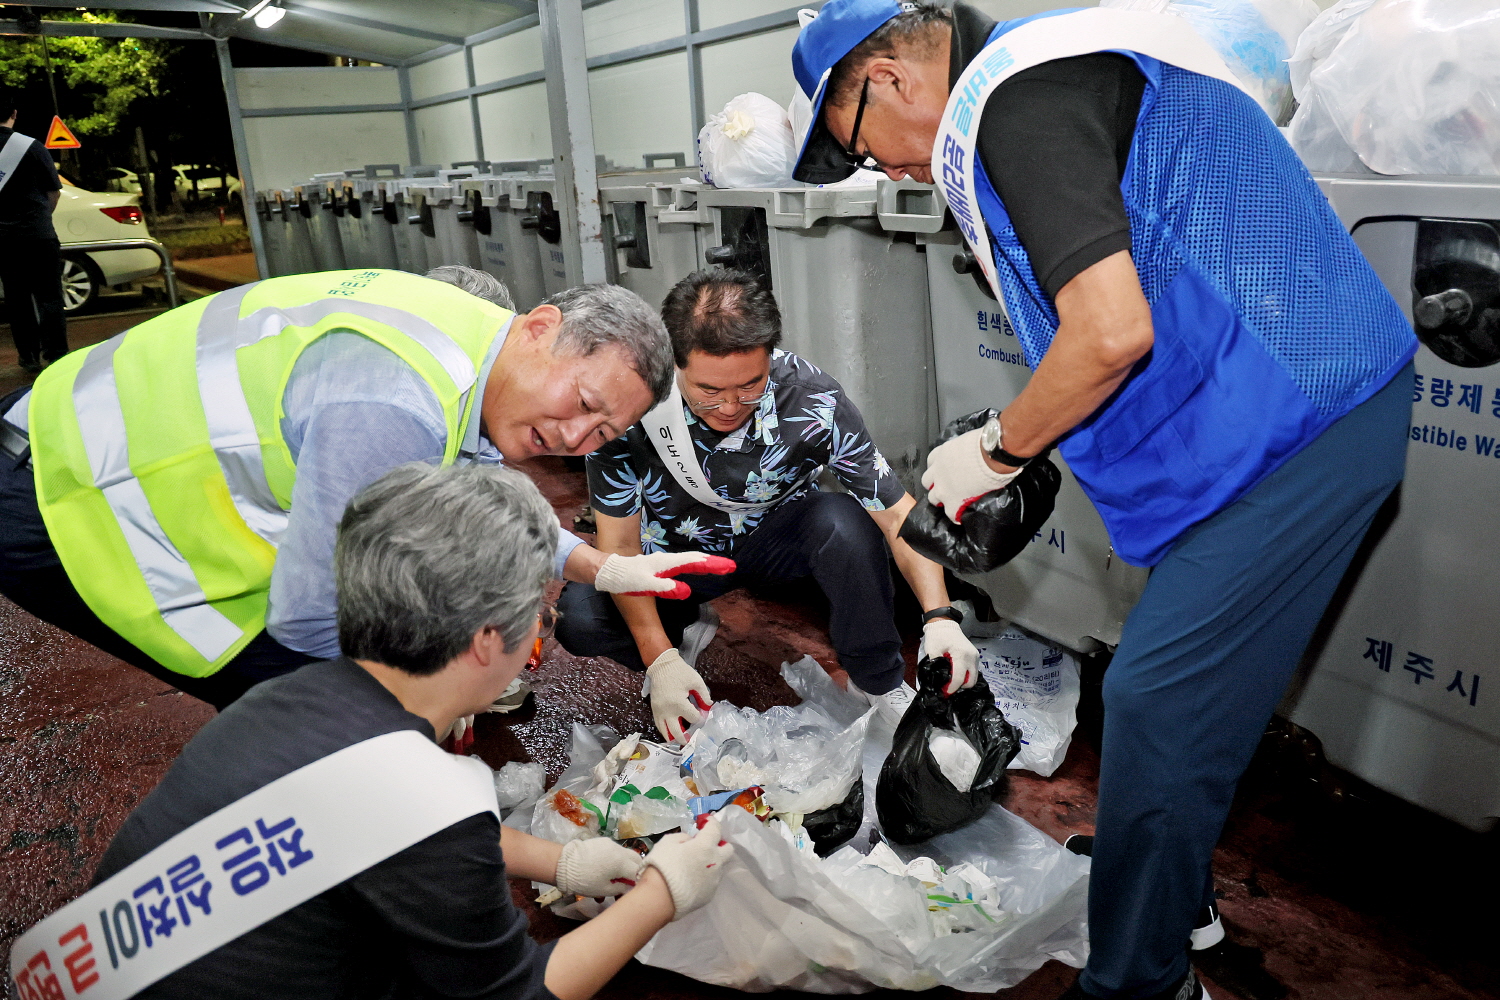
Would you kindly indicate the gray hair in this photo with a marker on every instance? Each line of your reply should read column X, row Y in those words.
column 596, row 316
column 428, row 556
column 475, row 282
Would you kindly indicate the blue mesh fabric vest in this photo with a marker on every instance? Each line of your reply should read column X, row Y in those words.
column 1269, row 323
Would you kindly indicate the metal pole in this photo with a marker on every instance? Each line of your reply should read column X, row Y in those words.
column 474, row 103
column 241, row 156
column 573, row 163
column 695, row 71
column 413, row 148
column 168, row 274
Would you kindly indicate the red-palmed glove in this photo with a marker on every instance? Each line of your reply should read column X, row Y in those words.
column 649, row 576
column 957, row 475
column 943, row 637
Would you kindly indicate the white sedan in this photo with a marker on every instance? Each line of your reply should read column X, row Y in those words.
column 85, row 216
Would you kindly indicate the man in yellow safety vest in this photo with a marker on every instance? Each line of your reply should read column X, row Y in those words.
column 171, row 495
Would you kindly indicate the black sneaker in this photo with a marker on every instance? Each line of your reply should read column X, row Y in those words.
column 32, row 366
column 1189, row 987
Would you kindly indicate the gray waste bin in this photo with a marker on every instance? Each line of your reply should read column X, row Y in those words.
column 423, row 197
column 458, row 241
column 648, row 254
column 363, row 230
column 1067, row 585
column 297, row 239
column 541, row 227
column 273, row 233
column 506, row 249
column 1405, row 692
column 322, row 226
column 853, row 298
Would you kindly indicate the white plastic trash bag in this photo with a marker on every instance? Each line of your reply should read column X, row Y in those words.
column 1254, row 37
column 1400, row 87
column 748, row 144
column 1036, row 688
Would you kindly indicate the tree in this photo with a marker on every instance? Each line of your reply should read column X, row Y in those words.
column 98, row 79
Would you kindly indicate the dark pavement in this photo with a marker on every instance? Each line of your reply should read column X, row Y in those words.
column 1347, row 894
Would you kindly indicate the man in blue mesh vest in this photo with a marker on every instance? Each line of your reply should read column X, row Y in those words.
column 1222, row 370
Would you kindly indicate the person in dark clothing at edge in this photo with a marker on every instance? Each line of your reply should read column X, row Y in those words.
column 30, row 265
column 440, row 573
column 1224, row 373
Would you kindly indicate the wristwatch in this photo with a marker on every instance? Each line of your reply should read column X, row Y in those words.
column 951, row 613
column 989, row 440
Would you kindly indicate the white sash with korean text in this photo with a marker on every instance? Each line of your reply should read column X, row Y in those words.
column 1161, row 36
column 253, row 860
column 667, row 428
column 10, row 155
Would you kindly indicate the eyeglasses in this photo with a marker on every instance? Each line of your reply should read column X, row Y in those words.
column 714, row 402
column 859, row 161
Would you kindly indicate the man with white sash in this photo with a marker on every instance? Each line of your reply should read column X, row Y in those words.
column 313, row 841
column 728, row 463
column 170, row 495
column 1219, row 366
column 30, row 268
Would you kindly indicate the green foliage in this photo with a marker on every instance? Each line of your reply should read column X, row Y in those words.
column 106, row 75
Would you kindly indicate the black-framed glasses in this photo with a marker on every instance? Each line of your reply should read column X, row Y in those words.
column 859, row 161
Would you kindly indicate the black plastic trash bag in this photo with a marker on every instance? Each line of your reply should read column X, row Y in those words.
column 914, row 800
column 830, row 827
column 997, row 526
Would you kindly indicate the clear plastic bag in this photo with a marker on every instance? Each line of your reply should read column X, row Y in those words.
column 747, row 145
column 1254, row 37
column 518, row 786
column 1400, row 87
column 785, row 920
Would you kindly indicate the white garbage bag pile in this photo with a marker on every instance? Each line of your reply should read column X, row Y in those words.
column 976, row 909
column 1400, row 87
column 1254, row 37
column 747, row 145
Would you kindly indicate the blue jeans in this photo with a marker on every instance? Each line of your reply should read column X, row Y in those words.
column 1202, row 663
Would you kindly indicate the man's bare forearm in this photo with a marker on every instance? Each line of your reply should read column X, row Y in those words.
column 1105, row 329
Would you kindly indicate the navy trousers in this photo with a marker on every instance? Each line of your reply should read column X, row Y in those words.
column 1202, row 663
column 827, row 536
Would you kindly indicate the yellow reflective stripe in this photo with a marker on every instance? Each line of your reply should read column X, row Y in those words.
column 271, row 320
column 231, row 428
column 169, row 577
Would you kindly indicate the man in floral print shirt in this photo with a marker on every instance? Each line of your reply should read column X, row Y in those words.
column 764, row 424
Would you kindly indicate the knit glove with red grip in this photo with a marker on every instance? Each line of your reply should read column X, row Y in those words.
column 648, row 576
column 679, row 697
column 597, row 866
column 691, row 865
column 957, row 475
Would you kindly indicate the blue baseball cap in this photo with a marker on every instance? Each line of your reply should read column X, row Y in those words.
column 839, row 27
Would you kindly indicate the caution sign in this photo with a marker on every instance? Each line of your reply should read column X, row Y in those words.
column 59, row 136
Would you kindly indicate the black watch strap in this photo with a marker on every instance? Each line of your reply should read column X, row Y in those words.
column 944, row 612
column 1006, row 458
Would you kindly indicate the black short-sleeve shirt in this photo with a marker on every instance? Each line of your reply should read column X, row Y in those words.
column 434, row 920
column 1054, row 140
column 25, row 211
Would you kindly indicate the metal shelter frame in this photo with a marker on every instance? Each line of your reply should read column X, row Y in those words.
column 565, row 74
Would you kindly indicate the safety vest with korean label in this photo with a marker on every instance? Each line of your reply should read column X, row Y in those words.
column 161, row 472
column 1269, row 323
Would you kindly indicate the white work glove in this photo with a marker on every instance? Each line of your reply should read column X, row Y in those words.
column 606, row 769
column 957, row 475
column 597, row 866
column 461, row 725
column 943, row 637
column 679, row 697
column 692, row 866
column 647, row 576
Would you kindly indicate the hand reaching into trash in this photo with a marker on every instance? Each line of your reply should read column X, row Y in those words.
column 679, row 696
column 649, row 575
column 597, row 866
column 692, row 865
column 943, row 637
column 957, row 475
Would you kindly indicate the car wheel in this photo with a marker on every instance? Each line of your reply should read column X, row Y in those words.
column 80, row 283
